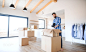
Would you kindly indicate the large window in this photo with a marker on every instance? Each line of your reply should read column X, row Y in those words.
column 9, row 25
column 3, row 26
column 41, row 24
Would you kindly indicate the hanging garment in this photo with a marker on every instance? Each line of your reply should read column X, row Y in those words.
column 78, row 31
column 75, row 35
column 85, row 33
column 73, row 30
column 81, row 31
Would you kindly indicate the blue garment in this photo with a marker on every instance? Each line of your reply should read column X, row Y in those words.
column 73, row 32
column 57, row 21
column 85, row 33
column 76, row 31
column 81, row 31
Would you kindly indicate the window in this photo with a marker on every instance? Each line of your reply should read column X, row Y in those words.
column 15, row 23
column 41, row 24
column 10, row 24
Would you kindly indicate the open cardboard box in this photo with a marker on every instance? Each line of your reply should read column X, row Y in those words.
column 22, row 32
column 51, row 44
column 51, row 32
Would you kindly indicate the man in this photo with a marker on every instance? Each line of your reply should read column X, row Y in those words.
column 57, row 22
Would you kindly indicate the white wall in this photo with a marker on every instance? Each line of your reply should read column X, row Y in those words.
column 7, row 10
column 75, row 12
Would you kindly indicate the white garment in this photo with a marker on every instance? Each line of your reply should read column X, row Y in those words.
column 78, row 31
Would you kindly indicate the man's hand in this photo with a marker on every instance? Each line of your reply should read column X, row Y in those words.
column 56, row 26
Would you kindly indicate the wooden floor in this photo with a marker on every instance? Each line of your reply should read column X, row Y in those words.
column 12, row 45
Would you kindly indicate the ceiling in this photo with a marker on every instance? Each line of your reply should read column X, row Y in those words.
column 21, row 4
column 59, row 13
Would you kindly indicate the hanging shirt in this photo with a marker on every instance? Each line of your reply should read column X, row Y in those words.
column 75, row 29
column 85, row 33
column 73, row 32
column 57, row 21
column 78, row 31
column 81, row 31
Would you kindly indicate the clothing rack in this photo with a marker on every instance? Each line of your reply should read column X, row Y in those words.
column 75, row 32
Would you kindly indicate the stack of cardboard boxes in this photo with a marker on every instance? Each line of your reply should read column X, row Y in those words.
column 22, row 39
column 51, row 41
column 25, row 36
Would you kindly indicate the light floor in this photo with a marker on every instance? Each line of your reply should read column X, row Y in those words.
column 12, row 45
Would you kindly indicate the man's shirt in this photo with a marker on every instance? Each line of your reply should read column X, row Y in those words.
column 57, row 21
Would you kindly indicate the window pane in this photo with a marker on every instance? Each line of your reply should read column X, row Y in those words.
column 3, row 26
column 16, row 23
column 41, row 23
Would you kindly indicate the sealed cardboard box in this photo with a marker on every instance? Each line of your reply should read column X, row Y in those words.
column 23, row 41
column 35, row 26
column 51, row 44
column 32, row 38
column 51, row 32
column 29, row 33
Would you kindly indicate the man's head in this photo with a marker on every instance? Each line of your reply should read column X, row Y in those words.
column 54, row 14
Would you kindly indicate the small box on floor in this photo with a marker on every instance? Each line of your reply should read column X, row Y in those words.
column 23, row 41
column 51, row 44
column 32, row 38
column 51, row 32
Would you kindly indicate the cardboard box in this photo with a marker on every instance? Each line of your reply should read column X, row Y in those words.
column 35, row 26
column 51, row 44
column 29, row 33
column 32, row 38
column 23, row 41
column 51, row 32
column 21, row 33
